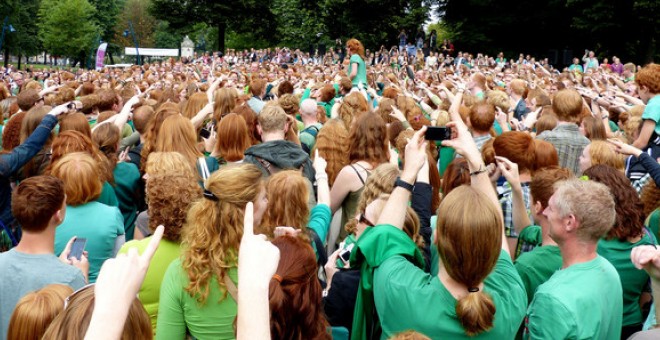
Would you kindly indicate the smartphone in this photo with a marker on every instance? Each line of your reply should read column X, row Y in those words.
column 77, row 248
column 204, row 133
column 75, row 105
column 437, row 133
column 345, row 254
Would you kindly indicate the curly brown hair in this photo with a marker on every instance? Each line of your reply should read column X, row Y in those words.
column 629, row 208
column 169, row 198
column 650, row 198
column 332, row 144
column 213, row 229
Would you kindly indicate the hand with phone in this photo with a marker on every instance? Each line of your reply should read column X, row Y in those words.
column 74, row 254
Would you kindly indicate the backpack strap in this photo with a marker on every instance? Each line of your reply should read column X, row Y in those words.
column 231, row 287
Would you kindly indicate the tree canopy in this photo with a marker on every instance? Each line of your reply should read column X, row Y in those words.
column 67, row 27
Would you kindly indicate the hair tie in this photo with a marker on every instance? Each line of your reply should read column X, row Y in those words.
column 473, row 289
column 209, row 195
column 277, row 278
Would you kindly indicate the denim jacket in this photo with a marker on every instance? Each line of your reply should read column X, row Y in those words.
column 11, row 162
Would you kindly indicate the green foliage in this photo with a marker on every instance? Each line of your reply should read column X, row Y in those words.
column 240, row 16
column 165, row 37
column 374, row 22
column 144, row 24
column 107, row 15
column 610, row 27
column 22, row 17
column 66, row 27
column 298, row 23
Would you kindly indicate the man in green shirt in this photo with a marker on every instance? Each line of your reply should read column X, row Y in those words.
column 583, row 299
column 537, row 266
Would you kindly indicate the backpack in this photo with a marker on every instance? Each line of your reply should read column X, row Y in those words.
column 313, row 131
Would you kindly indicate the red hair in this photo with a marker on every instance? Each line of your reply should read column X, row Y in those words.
column 233, row 137
column 546, row 154
column 518, row 147
column 296, row 311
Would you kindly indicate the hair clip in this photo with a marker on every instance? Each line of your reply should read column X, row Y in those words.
column 211, row 196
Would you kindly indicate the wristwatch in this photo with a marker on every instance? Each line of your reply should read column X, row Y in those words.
column 403, row 184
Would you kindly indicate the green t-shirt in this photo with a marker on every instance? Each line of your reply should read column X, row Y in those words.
column 127, row 179
column 447, row 155
column 633, row 280
column 361, row 76
column 99, row 224
column 582, row 301
column 179, row 312
column 149, row 293
column 537, row 266
column 108, row 195
column 408, row 298
column 652, row 112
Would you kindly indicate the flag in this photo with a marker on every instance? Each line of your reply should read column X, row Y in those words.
column 100, row 56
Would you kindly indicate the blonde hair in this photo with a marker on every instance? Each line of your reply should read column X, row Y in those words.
column 272, row 118
column 351, row 108
column 72, row 323
column 380, row 181
column 213, row 229
column 35, row 311
column 469, row 240
column 499, row 99
column 287, row 202
column 79, row 172
column 602, row 152
column 167, row 163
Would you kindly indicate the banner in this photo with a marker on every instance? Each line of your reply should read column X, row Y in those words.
column 100, row 56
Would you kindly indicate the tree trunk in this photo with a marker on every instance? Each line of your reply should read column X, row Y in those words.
column 112, row 59
column 222, row 29
column 19, row 60
column 6, row 57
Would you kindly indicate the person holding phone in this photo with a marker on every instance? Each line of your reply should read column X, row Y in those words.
column 38, row 205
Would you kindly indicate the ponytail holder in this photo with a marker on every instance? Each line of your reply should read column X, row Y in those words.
column 473, row 289
column 277, row 278
column 209, row 195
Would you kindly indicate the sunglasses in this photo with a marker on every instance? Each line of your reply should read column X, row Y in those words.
column 364, row 220
column 72, row 296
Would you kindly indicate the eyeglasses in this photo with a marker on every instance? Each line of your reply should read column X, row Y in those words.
column 364, row 220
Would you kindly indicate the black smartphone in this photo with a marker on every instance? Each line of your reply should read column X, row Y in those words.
column 75, row 105
column 410, row 72
column 437, row 133
column 345, row 255
column 204, row 133
column 77, row 248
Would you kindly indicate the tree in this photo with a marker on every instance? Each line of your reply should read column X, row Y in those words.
column 375, row 27
column 24, row 40
column 66, row 27
column 106, row 16
column 236, row 15
column 144, row 24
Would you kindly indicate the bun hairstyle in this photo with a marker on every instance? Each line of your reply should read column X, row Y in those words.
column 469, row 240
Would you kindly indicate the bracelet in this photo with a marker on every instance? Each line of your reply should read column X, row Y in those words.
column 321, row 176
column 403, row 184
column 481, row 170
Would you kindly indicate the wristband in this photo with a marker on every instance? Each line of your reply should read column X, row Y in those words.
column 321, row 176
column 481, row 170
column 403, row 184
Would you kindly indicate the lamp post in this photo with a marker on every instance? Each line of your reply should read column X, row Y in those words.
column 131, row 31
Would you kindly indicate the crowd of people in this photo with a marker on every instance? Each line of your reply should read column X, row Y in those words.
column 259, row 195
